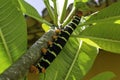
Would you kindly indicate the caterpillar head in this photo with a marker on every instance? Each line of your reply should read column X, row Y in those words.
column 79, row 13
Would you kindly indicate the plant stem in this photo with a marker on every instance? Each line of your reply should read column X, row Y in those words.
column 46, row 22
column 55, row 13
column 69, row 16
column 49, row 8
column 63, row 11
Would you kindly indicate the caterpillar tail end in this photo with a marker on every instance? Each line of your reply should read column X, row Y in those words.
column 43, row 70
column 34, row 69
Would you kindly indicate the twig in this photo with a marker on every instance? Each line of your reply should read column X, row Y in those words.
column 21, row 66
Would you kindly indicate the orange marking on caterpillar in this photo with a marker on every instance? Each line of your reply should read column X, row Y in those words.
column 43, row 70
column 50, row 43
column 44, row 50
column 33, row 69
column 57, row 31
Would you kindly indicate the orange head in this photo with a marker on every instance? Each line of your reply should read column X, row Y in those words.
column 79, row 13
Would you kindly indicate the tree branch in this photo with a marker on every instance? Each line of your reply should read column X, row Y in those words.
column 19, row 69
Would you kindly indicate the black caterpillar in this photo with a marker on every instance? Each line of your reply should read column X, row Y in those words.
column 57, row 44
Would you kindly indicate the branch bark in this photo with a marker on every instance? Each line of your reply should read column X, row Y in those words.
column 19, row 69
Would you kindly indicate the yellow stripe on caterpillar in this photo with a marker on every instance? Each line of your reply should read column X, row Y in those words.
column 63, row 38
column 74, row 23
column 58, row 45
column 67, row 32
column 76, row 20
column 39, row 66
column 70, row 27
column 45, row 60
column 52, row 52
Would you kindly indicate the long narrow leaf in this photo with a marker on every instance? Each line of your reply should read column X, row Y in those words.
column 32, row 12
column 13, row 34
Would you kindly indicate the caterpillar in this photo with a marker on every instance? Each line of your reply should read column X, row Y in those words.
column 56, row 45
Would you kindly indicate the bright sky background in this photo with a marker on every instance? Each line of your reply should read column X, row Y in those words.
column 39, row 4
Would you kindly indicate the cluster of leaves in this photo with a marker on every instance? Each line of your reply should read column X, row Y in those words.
column 98, row 31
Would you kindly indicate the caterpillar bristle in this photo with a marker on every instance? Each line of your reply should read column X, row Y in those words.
column 44, row 50
column 57, row 31
column 49, row 43
column 33, row 69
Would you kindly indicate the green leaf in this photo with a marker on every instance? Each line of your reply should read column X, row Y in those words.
column 13, row 35
column 111, row 12
column 63, row 11
column 81, row 4
column 28, row 9
column 73, row 62
column 104, row 76
column 32, row 12
column 104, row 29
column 45, row 27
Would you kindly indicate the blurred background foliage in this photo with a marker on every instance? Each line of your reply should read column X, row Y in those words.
column 34, row 27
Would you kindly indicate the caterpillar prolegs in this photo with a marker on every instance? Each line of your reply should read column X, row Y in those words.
column 59, row 41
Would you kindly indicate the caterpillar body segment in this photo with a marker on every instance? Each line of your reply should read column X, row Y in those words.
column 49, row 55
column 59, row 41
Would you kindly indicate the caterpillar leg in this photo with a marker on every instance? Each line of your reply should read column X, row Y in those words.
column 34, row 69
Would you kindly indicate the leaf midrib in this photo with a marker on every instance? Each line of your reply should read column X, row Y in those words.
column 72, row 64
column 101, row 20
column 99, row 38
column 5, row 46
